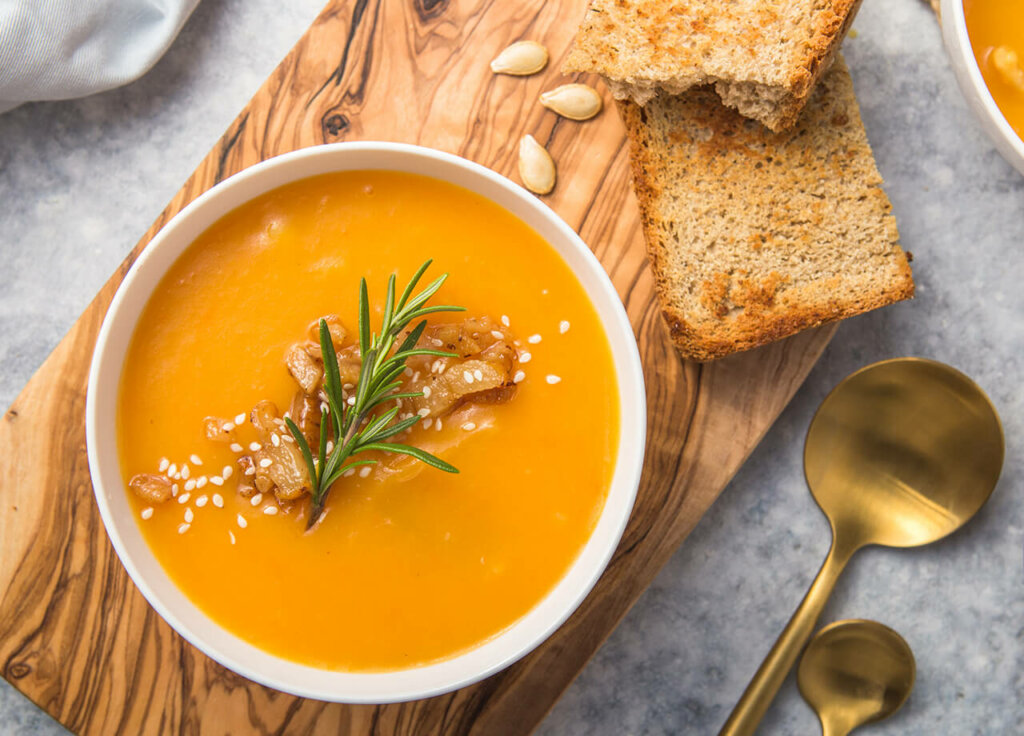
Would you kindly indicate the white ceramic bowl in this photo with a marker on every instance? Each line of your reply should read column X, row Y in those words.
column 973, row 87
column 220, row 644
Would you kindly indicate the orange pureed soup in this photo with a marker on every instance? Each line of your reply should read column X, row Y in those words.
column 404, row 569
column 996, row 29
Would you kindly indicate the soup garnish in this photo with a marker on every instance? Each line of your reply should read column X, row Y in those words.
column 351, row 399
column 354, row 425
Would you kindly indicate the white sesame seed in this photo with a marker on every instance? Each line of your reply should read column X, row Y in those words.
column 407, row 372
column 235, row 447
column 190, row 484
column 256, row 500
column 241, row 521
column 146, row 512
column 251, row 470
column 518, row 377
column 497, row 335
column 415, row 376
column 176, row 476
column 184, row 497
column 216, row 480
column 427, row 422
column 437, row 343
column 227, row 426
column 266, row 462
column 438, row 424
column 478, row 374
column 172, row 469
column 469, row 426
column 240, row 419
column 436, row 366
column 349, row 473
column 164, row 464
column 563, row 326
column 426, row 392
column 348, row 386
column 505, row 320
column 218, row 500
column 324, row 407
column 270, row 510
column 351, row 401
column 231, row 536
column 553, row 379
column 275, row 440
column 288, row 438
column 467, row 376
column 423, row 412
column 365, row 471
column 174, row 489
column 182, row 528
column 195, row 459
column 189, row 516
column 226, row 473
column 534, row 339
column 255, row 446
column 185, row 472
column 201, row 501
column 201, row 481
column 525, row 357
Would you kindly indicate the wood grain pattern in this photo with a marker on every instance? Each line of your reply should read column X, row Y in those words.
column 76, row 636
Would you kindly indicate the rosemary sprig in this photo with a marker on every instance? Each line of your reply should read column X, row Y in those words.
column 353, row 428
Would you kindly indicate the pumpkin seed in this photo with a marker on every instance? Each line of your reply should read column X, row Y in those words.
column 521, row 59
column 573, row 101
column 536, row 168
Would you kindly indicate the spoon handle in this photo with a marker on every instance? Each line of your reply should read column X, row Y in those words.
column 761, row 691
column 832, row 728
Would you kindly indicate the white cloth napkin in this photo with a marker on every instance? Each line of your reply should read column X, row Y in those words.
column 58, row 49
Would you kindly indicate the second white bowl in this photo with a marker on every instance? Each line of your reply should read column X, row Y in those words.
column 973, row 87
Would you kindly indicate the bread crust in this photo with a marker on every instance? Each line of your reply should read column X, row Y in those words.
column 832, row 26
column 748, row 298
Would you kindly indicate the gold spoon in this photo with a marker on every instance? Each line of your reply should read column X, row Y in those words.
column 855, row 672
column 900, row 454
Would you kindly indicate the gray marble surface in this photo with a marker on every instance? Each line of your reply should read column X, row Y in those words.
column 81, row 180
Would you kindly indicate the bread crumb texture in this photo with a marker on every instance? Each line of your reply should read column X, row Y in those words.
column 762, row 56
column 754, row 235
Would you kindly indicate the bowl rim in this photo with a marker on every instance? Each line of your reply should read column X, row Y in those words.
column 972, row 84
column 478, row 662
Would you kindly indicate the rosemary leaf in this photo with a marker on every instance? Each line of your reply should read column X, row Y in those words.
column 412, row 284
column 421, row 455
column 397, row 428
column 300, row 440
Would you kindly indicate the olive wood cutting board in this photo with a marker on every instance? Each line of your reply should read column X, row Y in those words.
column 76, row 636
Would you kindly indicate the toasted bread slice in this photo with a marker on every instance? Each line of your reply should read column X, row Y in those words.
column 754, row 235
column 762, row 56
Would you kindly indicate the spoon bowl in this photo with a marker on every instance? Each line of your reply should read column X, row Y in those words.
column 855, row 672
column 903, row 452
column 900, row 454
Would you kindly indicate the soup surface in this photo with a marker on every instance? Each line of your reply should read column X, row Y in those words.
column 405, row 568
column 996, row 29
